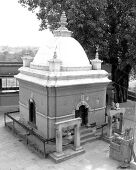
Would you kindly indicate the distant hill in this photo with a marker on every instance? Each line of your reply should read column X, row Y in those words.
column 14, row 54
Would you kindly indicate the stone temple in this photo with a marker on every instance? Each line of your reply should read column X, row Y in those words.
column 59, row 89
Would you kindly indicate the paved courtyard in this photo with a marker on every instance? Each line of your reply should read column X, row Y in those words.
column 15, row 155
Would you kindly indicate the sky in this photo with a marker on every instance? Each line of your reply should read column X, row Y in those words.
column 18, row 26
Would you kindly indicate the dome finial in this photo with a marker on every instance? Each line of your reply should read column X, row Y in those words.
column 55, row 53
column 63, row 19
column 62, row 30
column 97, row 52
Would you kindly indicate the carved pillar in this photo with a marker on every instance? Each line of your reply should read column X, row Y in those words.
column 121, row 124
column 77, row 137
column 88, row 116
column 59, row 141
column 109, row 132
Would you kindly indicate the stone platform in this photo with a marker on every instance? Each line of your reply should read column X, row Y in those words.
column 67, row 154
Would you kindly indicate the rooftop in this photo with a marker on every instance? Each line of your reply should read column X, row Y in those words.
column 61, row 61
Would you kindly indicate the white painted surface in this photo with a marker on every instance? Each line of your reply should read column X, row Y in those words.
column 68, row 50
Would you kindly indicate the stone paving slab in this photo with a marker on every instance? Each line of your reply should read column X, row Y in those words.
column 15, row 155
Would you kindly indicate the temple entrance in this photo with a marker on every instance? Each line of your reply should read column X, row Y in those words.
column 83, row 114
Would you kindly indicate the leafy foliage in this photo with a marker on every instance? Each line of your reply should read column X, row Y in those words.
column 108, row 23
column 84, row 18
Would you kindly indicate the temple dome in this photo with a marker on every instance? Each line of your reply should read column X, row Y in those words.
column 46, row 50
column 61, row 61
column 67, row 49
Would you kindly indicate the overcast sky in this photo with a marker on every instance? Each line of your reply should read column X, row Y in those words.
column 18, row 26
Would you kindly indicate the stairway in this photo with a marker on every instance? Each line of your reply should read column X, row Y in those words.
column 88, row 135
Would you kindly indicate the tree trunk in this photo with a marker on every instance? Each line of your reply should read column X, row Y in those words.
column 120, row 79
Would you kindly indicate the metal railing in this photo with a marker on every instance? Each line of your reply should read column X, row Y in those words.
column 131, row 95
column 9, row 83
column 29, row 130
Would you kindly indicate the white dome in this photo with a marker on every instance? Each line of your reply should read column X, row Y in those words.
column 46, row 50
column 71, row 53
column 67, row 50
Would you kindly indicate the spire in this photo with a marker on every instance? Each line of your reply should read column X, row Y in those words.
column 96, row 63
column 62, row 30
column 97, row 52
column 55, row 55
column 63, row 20
column 55, row 63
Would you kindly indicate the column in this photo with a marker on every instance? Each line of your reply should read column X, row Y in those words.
column 59, row 141
column 77, row 137
column 109, row 128
column 121, row 124
column 88, row 118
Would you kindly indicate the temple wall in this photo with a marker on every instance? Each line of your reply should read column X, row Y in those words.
column 93, row 95
column 61, row 104
column 41, row 123
column 38, row 94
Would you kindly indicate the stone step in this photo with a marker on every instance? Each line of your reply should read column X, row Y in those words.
column 85, row 130
column 87, row 135
column 88, row 140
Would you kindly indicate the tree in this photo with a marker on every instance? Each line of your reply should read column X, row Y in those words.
column 84, row 18
column 122, row 33
column 107, row 23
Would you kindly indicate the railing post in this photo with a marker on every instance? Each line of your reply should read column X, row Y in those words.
column 121, row 124
column 109, row 132
column 77, row 137
column 5, row 119
column 44, row 150
column 13, row 125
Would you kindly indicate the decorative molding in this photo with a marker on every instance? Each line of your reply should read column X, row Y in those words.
column 61, row 117
column 53, row 118
column 48, row 117
column 83, row 103
column 87, row 106
column 41, row 114
column 21, row 104
column 69, row 115
column 99, row 108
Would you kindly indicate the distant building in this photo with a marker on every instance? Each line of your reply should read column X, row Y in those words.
column 9, row 86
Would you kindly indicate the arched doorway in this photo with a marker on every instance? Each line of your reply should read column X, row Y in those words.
column 32, row 112
column 83, row 114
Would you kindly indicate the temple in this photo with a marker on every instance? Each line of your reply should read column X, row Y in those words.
column 60, row 90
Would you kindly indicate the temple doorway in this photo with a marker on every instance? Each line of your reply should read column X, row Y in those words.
column 83, row 114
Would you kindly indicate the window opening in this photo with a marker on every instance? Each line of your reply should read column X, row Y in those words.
column 32, row 112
